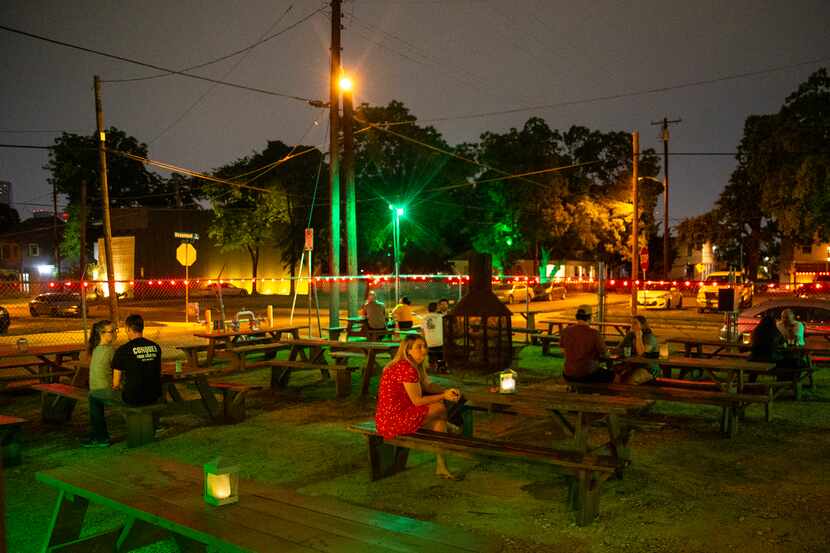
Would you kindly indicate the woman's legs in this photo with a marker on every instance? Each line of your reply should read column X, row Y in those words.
column 436, row 420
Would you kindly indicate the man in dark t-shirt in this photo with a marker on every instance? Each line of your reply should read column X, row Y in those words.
column 137, row 365
column 584, row 348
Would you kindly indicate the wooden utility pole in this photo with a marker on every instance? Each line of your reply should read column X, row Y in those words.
column 83, row 288
column 666, row 230
column 334, row 165
column 105, row 200
column 635, row 220
column 351, row 200
column 55, row 230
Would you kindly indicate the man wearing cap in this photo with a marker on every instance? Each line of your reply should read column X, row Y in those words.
column 584, row 349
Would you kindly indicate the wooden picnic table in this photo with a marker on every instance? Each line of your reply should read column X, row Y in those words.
column 41, row 363
column 573, row 413
column 312, row 350
column 728, row 373
column 160, row 499
column 220, row 340
column 620, row 328
column 693, row 347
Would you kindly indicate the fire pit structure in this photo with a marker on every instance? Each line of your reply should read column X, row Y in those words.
column 477, row 332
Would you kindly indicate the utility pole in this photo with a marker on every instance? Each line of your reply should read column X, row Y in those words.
column 635, row 220
column 351, row 200
column 334, row 165
column 105, row 200
column 82, row 217
column 666, row 233
column 55, row 229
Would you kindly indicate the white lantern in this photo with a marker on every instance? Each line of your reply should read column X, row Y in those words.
column 507, row 381
column 221, row 483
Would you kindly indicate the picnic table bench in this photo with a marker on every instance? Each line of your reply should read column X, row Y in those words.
column 59, row 401
column 161, row 498
column 36, row 363
column 232, row 407
column 389, row 456
column 10, row 430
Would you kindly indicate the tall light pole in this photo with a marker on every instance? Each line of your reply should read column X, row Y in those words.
column 397, row 212
column 635, row 220
column 665, row 137
column 346, row 86
column 334, row 165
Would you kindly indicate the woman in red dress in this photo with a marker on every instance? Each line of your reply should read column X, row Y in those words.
column 407, row 400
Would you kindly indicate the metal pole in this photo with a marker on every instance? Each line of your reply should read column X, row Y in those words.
column 82, row 261
column 57, row 250
column 186, row 284
column 666, row 230
column 351, row 202
column 105, row 201
column 396, row 241
column 635, row 220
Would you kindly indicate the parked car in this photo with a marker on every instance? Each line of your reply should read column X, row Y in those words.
column 5, row 320
column 656, row 295
column 814, row 313
column 551, row 291
column 820, row 286
column 707, row 295
column 519, row 292
column 56, row 304
column 212, row 289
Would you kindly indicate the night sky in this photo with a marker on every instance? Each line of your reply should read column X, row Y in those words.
column 443, row 59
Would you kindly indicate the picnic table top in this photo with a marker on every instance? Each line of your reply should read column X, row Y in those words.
column 565, row 321
column 539, row 401
column 704, row 342
column 266, row 519
column 234, row 333
column 168, row 372
column 712, row 364
column 316, row 342
column 37, row 351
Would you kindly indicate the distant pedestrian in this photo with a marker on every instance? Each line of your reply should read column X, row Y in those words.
column 138, row 364
column 791, row 328
column 403, row 314
column 433, row 325
column 100, row 351
column 443, row 306
column 584, row 349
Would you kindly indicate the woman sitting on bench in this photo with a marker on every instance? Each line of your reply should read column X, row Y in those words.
column 407, row 400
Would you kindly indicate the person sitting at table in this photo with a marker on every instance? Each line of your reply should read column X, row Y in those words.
column 138, row 364
column 403, row 314
column 443, row 306
column 584, row 349
column 100, row 351
column 407, row 400
column 791, row 328
column 374, row 311
column 433, row 324
column 640, row 341
column 766, row 343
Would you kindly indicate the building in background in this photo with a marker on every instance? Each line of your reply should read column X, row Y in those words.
column 694, row 261
column 29, row 248
column 800, row 263
column 6, row 196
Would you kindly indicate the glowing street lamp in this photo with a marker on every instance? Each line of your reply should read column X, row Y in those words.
column 345, row 83
column 397, row 213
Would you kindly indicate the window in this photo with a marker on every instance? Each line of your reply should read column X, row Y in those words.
column 807, row 250
column 689, row 250
column 34, row 250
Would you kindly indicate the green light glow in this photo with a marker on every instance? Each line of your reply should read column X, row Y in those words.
column 400, row 211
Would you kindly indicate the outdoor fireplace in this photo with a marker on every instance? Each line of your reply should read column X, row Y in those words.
column 477, row 332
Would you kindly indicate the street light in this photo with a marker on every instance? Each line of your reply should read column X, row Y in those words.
column 397, row 213
column 665, row 224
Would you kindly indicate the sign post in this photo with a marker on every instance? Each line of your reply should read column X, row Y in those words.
column 186, row 255
column 644, row 260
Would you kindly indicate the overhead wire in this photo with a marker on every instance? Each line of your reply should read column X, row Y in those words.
column 154, row 66
column 262, row 40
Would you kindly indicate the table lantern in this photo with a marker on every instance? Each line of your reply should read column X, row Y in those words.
column 664, row 351
column 23, row 344
column 221, row 483
column 507, row 381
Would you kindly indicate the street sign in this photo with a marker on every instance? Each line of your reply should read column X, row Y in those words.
column 644, row 258
column 192, row 236
column 309, row 239
column 186, row 254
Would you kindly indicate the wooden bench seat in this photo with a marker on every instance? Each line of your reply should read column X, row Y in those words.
column 342, row 373
column 10, row 430
column 233, row 399
column 732, row 405
column 389, row 456
column 59, row 401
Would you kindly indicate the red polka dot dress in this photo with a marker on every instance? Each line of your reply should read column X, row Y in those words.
column 396, row 414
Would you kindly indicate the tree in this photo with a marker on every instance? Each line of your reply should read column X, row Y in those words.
column 8, row 217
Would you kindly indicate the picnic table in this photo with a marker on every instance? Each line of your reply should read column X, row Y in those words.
column 620, row 328
column 572, row 413
column 232, row 408
column 312, row 352
column 728, row 373
column 40, row 363
column 694, row 347
column 222, row 339
column 160, row 499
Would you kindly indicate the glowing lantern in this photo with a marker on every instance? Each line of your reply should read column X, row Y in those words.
column 221, row 484
column 507, row 381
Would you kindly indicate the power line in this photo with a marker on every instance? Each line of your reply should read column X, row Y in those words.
column 621, row 95
column 259, row 42
column 153, row 66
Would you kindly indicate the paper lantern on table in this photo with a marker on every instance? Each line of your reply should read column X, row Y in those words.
column 221, row 483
